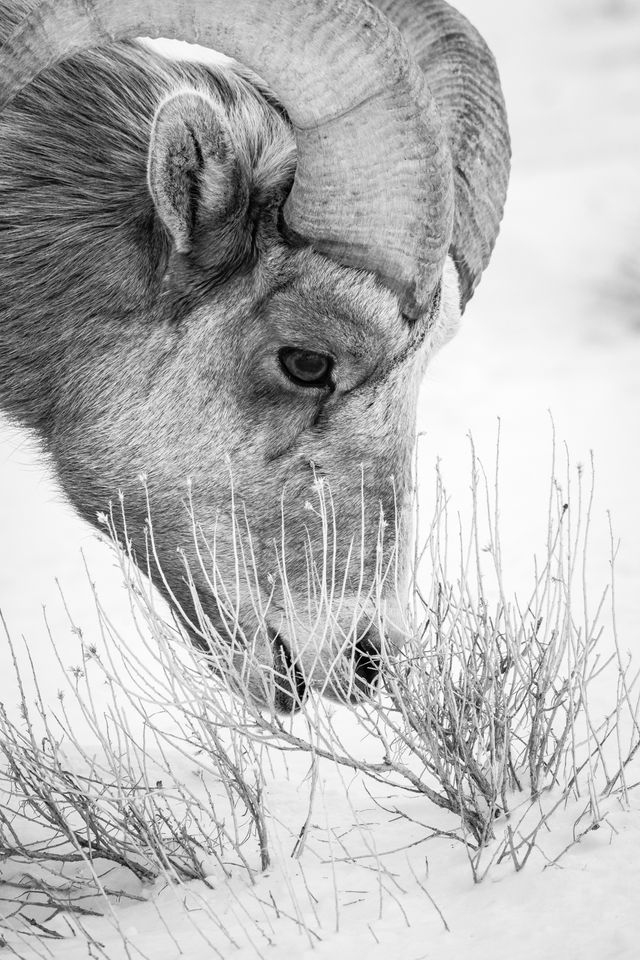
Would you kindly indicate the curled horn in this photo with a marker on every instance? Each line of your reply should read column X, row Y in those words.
column 373, row 187
column 461, row 74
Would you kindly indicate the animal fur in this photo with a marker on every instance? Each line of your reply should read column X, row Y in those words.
column 127, row 355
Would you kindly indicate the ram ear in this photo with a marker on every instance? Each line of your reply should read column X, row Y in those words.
column 194, row 172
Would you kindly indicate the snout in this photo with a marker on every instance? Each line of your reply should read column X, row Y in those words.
column 345, row 672
column 279, row 674
column 353, row 675
column 366, row 662
column 290, row 685
column 287, row 660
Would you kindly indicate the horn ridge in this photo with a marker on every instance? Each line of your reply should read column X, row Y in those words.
column 461, row 73
column 374, row 183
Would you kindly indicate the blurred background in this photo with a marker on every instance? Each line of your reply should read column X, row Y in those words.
column 554, row 328
column 553, row 331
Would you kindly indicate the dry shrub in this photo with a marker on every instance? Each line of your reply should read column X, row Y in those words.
column 484, row 710
column 80, row 826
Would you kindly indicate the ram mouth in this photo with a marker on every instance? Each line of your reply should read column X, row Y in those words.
column 360, row 675
column 291, row 687
column 283, row 684
column 367, row 664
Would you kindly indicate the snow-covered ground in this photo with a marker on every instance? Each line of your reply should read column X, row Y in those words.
column 554, row 329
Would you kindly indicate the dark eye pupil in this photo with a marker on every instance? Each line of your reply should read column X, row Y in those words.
column 310, row 365
column 305, row 366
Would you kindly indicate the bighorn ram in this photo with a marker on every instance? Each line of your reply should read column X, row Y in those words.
column 238, row 278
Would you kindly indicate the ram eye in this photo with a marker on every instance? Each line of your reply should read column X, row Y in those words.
column 305, row 367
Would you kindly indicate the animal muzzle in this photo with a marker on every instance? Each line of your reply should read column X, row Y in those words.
column 346, row 673
column 289, row 684
column 353, row 679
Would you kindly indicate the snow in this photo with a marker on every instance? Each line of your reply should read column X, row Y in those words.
column 553, row 331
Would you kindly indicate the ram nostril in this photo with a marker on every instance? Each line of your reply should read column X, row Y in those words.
column 290, row 684
column 366, row 660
